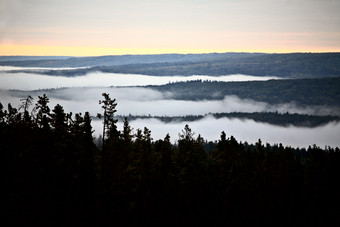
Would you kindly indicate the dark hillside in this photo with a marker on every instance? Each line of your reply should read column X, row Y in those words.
column 54, row 175
column 301, row 91
column 273, row 118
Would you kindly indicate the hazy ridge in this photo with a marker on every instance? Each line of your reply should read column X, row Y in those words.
column 293, row 65
column 110, row 60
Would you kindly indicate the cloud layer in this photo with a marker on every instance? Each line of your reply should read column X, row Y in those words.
column 144, row 101
column 30, row 81
column 248, row 130
column 84, row 96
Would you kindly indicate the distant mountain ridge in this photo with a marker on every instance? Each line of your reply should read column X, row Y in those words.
column 112, row 60
column 30, row 58
column 293, row 65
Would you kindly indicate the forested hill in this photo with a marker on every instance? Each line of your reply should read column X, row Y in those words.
column 294, row 65
column 54, row 175
column 321, row 92
column 297, row 65
column 274, row 118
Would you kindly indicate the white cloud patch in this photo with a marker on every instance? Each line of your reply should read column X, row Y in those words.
column 30, row 81
column 243, row 130
column 145, row 101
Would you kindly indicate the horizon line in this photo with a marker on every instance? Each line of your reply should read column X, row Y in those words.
column 92, row 51
column 173, row 53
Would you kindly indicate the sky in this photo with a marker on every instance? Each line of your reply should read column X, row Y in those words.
column 104, row 27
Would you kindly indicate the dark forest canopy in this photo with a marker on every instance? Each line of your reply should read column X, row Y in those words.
column 274, row 118
column 53, row 174
column 293, row 65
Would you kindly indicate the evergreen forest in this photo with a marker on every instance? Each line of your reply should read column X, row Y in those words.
column 273, row 118
column 304, row 92
column 54, row 173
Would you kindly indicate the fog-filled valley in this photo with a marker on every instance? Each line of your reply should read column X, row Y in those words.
column 151, row 96
column 31, row 81
column 292, row 65
column 170, row 113
column 235, row 139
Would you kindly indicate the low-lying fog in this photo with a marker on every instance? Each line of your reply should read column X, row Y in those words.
column 31, row 81
column 142, row 101
column 145, row 101
column 85, row 94
column 210, row 129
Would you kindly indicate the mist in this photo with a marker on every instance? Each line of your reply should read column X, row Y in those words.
column 145, row 101
column 243, row 130
column 82, row 94
column 31, row 81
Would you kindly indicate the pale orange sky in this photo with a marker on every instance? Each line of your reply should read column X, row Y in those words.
column 104, row 27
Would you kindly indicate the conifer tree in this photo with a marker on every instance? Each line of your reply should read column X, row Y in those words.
column 109, row 123
column 12, row 115
column 87, row 127
column 58, row 119
column 26, row 103
column 127, row 136
column 42, row 117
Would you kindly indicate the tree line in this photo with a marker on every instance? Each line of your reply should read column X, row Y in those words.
column 274, row 118
column 325, row 91
column 52, row 173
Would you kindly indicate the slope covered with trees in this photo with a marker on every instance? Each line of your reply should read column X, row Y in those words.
column 322, row 93
column 301, row 91
column 53, row 174
column 274, row 118
column 296, row 65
